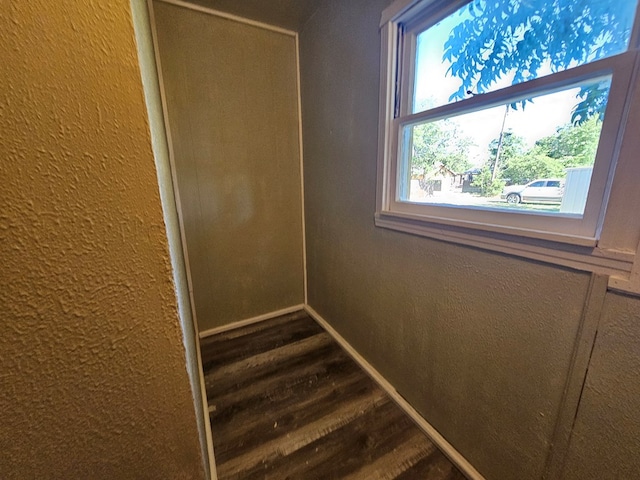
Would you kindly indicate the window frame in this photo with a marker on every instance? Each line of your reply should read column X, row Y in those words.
column 572, row 241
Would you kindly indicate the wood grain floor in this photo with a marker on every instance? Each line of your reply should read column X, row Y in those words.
column 286, row 402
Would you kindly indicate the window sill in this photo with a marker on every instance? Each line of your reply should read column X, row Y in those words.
column 574, row 252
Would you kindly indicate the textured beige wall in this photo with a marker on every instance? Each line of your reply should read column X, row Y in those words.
column 93, row 382
column 480, row 343
column 606, row 438
column 233, row 116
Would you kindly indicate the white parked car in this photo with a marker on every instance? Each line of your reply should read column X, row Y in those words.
column 544, row 190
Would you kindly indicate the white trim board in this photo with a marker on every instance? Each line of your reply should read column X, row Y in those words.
column 250, row 321
column 446, row 448
column 210, row 461
column 301, row 155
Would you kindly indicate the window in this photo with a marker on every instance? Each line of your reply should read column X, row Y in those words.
column 501, row 121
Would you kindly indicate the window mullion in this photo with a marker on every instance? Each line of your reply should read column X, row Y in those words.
column 521, row 91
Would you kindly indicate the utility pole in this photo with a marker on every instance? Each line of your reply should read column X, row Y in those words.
column 500, row 141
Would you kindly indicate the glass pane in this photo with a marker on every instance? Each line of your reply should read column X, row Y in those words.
column 488, row 45
column 537, row 156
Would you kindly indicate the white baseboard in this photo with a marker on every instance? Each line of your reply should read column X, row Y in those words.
column 446, row 448
column 249, row 321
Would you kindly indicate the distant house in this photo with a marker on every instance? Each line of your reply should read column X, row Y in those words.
column 440, row 179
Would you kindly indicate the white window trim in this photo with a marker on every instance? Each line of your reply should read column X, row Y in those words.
column 562, row 247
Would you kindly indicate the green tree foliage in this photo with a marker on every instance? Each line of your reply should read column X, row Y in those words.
column 573, row 145
column 502, row 38
column 439, row 143
column 533, row 165
column 518, row 164
column 570, row 146
column 512, row 146
column 488, row 187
